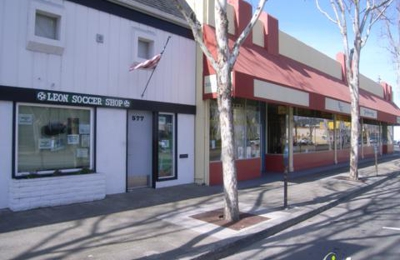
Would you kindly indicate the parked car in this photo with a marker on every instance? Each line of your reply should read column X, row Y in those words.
column 305, row 141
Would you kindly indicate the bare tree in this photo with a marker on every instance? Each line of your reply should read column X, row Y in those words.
column 362, row 14
column 223, row 65
column 392, row 33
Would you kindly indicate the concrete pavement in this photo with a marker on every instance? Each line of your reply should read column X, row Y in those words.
column 157, row 224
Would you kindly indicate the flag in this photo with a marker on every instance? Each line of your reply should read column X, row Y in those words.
column 147, row 64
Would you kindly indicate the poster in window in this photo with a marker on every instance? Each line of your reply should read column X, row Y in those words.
column 45, row 143
column 248, row 152
column 57, row 144
column 240, row 152
column 82, row 153
column 25, row 119
column 85, row 140
column 84, row 129
column 73, row 139
column 73, row 125
column 164, row 144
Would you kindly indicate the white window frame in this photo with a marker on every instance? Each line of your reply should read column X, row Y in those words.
column 91, row 146
column 147, row 36
column 149, row 48
column 43, row 44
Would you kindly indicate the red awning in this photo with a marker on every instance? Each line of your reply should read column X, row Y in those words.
column 255, row 62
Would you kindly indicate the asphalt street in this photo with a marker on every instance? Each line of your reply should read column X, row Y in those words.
column 366, row 227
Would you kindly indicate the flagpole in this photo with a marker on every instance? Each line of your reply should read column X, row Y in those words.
column 151, row 75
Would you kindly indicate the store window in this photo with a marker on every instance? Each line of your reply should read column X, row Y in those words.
column 343, row 132
column 246, row 116
column 387, row 134
column 390, row 134
column 166, row 146
column 371, row 134
column 53, row 139
column 312, row 131
column 276, row 128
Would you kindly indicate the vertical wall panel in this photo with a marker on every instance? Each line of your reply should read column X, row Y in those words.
column 39, row 70
column 68, row 66
column 80, row 58
column 6, row 109
column 91, row 83
column 124, row 59
column 9, row 51
column 113, row 138
column 24, row 58
column 53, row 71
column 103, row 53
column 112, row 40
column 2, row 25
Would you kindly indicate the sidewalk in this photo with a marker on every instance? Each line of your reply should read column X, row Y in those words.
column 157, row 224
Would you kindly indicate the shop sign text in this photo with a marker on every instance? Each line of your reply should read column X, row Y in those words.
column 82, row 99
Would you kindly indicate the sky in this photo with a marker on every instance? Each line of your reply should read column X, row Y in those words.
column 302, row 20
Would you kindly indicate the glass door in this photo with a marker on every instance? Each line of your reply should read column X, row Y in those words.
column 166, row 146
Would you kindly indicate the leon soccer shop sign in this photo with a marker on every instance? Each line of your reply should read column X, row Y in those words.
column 77, row 99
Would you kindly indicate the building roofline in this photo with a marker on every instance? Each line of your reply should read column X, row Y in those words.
column 152, row 12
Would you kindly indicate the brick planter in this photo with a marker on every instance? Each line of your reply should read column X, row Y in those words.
column 54, row 191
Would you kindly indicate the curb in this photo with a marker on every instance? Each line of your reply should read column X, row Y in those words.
column 232, row 245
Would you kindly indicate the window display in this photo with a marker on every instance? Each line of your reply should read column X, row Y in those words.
column 343, row 132
column 52, row 139
column 246, row 117
column 276, row 128
column 371, row 134
column 166, row 146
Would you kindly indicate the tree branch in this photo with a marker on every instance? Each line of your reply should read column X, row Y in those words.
column 326, row 13
column 196, row 27
column 245, row 32
column 384, row 5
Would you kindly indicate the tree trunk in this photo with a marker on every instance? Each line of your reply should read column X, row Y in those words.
column 396, row 96
column 362, row 15
column 231, row 209
column 355, row 112
column 354, row 133
column 223, row 66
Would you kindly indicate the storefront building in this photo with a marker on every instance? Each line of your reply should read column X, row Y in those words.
column 284, row 92
column 77, row 125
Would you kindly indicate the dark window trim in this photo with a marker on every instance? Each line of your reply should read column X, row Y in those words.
column 13, row 157
column 14, row 144
column 126, row 153
column 136, row 16
column 94, row 138
column 156, row 148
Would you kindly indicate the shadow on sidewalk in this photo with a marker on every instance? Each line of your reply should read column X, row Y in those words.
column 147, row 197
column 139, row 198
